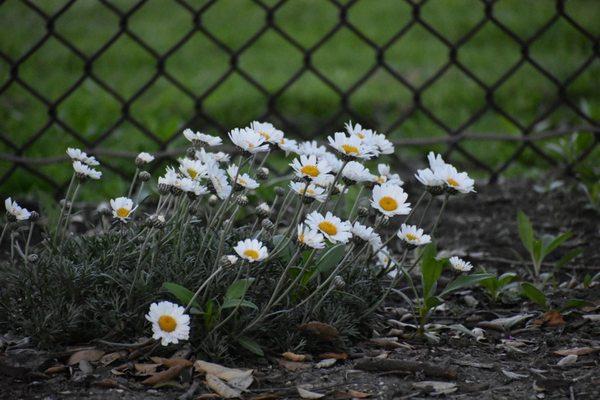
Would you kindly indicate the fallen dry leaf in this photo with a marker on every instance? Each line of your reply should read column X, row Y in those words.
column 592, row 317
column 164, row 376
column 567, row 360
column 87, row 355
column 386, row 342
column 240, row 379
column 351, row 394
column 337, row 356
column 145, row 369
column 326, row 363
column 288, row 355
column 513, row 375
column 307, row 394
column 171, row 362
column 221, row 388
column 108, row 384
column 577, row 351
column 503, row 324
column 320, row 330
column 109, row 358
column 436, row 387
column 293, row 365
column 57, row 369
column 551, row 318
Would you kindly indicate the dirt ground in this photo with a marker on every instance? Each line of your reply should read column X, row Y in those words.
column 511, row 363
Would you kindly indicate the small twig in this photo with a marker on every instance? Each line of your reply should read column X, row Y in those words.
column 381, row 364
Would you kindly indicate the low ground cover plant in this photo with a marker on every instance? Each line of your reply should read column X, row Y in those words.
column 220, row 253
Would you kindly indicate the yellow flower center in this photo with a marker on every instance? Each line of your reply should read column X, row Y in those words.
column 301, row 238
column 381, row 179
column 360, row 135
column 123, row 212
column 310, row 192
column 242, row 181
column 251, row 253
column 349, row 149
column 192, row 173
column 310, row 170
column 264, row 134
column 452, row 182
column 328, row 228
column 388, row 203
column 410, row 236
column 167, row 323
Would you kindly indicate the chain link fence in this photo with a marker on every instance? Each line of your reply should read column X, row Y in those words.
column 563, row 107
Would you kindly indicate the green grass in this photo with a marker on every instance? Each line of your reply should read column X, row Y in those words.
column 271, row 61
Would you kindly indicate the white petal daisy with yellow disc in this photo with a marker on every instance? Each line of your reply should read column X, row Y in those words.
column 248, row 140
column 310, row 167
column 390, row 200
column 310, row 237
column 332, row 227
column 122, row 207
column 251, row 250
column 170, row 324
column 414, row 235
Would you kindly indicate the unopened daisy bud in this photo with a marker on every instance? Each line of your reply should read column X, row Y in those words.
column 335, row 190
column 242, row 200
column 263, row 174
column 228, row 261
column 279, row 191
column 175, row 191
column 191, row 153
column 347, row 181
column 211, row 187
column 10, row 217
column 33, row 258
column 263, row 210
column 267, row 224
column 157, row 221
column 64, row 203
column 436, row 190
column 143, row 159
column 363, row 211
column 298, row 179
column 144, row 176
column 308, row 200
column 213, row 199
column 338, row 282
column 34, row 216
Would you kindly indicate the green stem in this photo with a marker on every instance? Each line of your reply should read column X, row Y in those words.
column 135, row 176
column 28, row 241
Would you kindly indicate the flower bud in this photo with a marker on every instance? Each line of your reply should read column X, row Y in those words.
column 228, row 261
column 435, row 190
column 267, row 225
column 34, row 217
column 163, row 189
column 242, row 200
column 10, row 217
column 213, row 200
column 263, row 210
column 33, row 258
column 338, row 282
column 175, row 191
column 279, row 191
column 157, row 221
column 263, row 174
column 144, row 176
column 191, row 153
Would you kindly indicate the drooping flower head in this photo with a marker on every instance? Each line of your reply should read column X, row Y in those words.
column 390, row 200
column 460, row 265
column 199, row 138
column 143, row 158
column 308, row 190
column 251, row 250
column 170, row 324
column 78, row 155
column 355, row 172
column 267, row 131
column 218, row 181
column 83, row 171
column 243, row 179
column 248, row 140
column 386, row 176
column 15, row 211
column 365, row 233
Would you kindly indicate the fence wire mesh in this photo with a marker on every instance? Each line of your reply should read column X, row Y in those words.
column 412, row 108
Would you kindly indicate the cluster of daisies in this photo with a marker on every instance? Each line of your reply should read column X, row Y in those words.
column 320, row 174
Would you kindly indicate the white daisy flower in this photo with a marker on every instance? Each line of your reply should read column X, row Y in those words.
column 144, row 158
column 170, row 324
column 232, row 259
column 310, row 237
column 185, row 184
column 251, row 250
column 78, row 155
column 16, row 211
column 436, row 162
column 385, row 176
column 359, row 131
column 365, row 233
column 198, row 137
column 83, row 171
column 428, row 178
column 248, row 140
column 324, row 180
column 357, row 172
column 334, row 163
column 243, row 179
column 458, row 181
column 312, row 148
column 207, row 157
column 267, row 131
column 382, row 143
column 458, row 264
column 170, row 178
column 411, row 234
column 193, row 169
column 289, row 146
column 312, row 191
column 219, row 181
column 333, row 228
column 122, row 207
column 390, row 200
column 383, row 258
column 309, row 167
column 351, row 146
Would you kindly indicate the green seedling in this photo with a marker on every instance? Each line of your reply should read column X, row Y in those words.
column 496, row 285
column 540, row 247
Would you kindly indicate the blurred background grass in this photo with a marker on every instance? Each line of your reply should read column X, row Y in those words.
column 271, row 61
